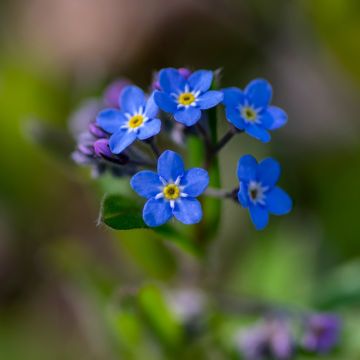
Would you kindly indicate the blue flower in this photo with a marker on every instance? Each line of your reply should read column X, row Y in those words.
column 250, row 110
column 186, row 98
column 136, row 119
column 258, row 191
column 172, row 191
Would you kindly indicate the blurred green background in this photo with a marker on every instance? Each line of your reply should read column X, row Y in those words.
column 61, row 276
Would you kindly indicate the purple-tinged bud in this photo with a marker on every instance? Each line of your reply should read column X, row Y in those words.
column 322, row 332
column 155, row 84
column 81, row 159
column 113, row 92
column 101, row 148
column 86, row 149
column 96, row 131
column 184, row 72
column 83, row 115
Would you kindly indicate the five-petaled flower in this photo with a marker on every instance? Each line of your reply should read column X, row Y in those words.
column 250, row 110
column 186, row 98
column 172, row 191
column 258, row 191
column 136, row 119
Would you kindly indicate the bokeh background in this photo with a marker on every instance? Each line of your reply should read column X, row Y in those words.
column 59, row 272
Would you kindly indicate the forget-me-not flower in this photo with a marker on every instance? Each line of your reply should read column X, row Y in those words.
column 186, row 98
column 322, row 333
column 172, row 191
column 250, row 110
column 136, row 119
column 258, row 190
column 272, row 339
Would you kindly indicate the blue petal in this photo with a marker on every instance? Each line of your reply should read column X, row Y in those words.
column 151, row 109
column 170, row 166
column 259, row 93
column 150, row 128
column 188, row 116
column 268, row 172
column 279, row 116
column 259, row 216
column 233, row 96
column 146, row 183
column 110, row 120
column 195, row 181
column 210, row 99
column 201, row 80
column 165, row 102
column 156, row 212
column 247, row 167
column 188, row 211
column 121, row 140
column 132, row 99
column 266, row 119
column 171, row 80
column 234, row 117
column 243, row 195
column 278, row 202
column 258, row 133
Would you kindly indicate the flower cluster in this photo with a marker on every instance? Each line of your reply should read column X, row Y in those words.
column 179, row 101
column 275, row 338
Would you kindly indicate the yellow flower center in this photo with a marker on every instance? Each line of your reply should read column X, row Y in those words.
column 171, row 192
column 248, row 113
column 186, row 98
column 136, row 121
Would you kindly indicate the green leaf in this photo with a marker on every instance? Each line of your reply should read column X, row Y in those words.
column 122, row 213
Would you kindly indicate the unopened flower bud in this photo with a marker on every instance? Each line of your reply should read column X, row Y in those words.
column 101, row 148
column 113, row 92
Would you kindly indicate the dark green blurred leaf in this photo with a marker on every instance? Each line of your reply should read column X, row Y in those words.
column 121, row 213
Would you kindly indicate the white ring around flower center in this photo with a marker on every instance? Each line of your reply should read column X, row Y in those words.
column 257, row 192
column 131, row 125
column 249, row 113
column 186, row 98
column 171, row 185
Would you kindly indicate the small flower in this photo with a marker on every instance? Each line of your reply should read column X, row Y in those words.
column 250, row 110
column 172, row 191
column 269, row 340
column 135, row 120
column 322, row 333
column 258, row 191
column 187, row 304
column 186, row 98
